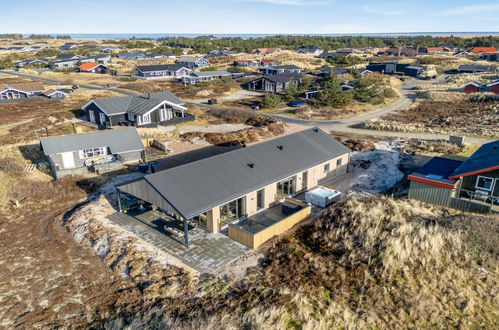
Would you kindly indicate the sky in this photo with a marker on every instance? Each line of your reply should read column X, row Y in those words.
column 248, row 16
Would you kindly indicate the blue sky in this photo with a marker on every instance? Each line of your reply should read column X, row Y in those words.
column 248, row 16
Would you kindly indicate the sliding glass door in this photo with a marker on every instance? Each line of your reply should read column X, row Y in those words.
column 232, row 211
column 286, row 188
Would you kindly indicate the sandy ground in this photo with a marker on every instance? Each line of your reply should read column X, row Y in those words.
column 222, row 128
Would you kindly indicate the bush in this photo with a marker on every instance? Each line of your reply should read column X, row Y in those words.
column 270, row 101
column 389, row 92
column 10, row 165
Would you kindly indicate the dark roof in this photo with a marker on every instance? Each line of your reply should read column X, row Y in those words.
column 136, row 104
column 197, row 187
column 118, row 141
column 161, row 67
column 67, row 56
column 282, row 78
column 477, row 68
column 437, row 169
column 485, row 159
column 285, row 67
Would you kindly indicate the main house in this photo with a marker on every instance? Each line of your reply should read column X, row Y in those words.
column 470, row 185
column 146, row 110
column 309, row 50
column 99, row 152
column 274, row 83
column 221, row 191
column 175, row 71
column 19, row 91
column 192, row 62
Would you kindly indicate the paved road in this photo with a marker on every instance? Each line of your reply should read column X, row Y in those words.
column 56, row 81
column 408, row 95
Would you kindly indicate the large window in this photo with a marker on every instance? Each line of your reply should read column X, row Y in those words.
column 260, row 199
column 484, row 183
column 94, row 152
column 286, row 188
column 327, row 167
column 201, row 220
column 338, row 162
column 232, row 211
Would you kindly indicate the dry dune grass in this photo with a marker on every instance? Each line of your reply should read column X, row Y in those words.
column 373, row 263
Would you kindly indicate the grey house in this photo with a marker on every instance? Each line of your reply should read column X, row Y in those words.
column 193, row 62
column 310, row 50
column 274, row 83
column 175, row 71
column 100, row 151
column 19, row 91
column 146, row 110
column 203, row 76
column 477, row 68
column 76, row 60
column 281, row 69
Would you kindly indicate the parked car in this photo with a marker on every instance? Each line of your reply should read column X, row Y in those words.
column 255, row 107
column 297, row 103
column 75, row 86
column 212, row 101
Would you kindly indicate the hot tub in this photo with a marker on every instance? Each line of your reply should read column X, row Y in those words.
column 322, row 196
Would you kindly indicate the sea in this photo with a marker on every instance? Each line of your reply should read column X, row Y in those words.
column 250, row 36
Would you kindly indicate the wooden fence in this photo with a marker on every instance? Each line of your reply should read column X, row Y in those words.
column 254, row 240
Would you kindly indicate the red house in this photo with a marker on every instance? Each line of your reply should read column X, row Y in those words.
column 480, row 50
column 473, row 87
column 494, row 87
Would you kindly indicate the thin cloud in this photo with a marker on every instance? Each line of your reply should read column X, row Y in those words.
column 382, row 10
column 465, row 10
column 290, row 2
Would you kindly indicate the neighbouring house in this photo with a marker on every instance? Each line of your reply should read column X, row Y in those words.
column 281, row 69
column 266, row 51
column 309, row 50
column 238, row 190
column 274, row 83
column 384, row 68
column 19, row 91
column 312, row 93
column 336, row 71
column 326, row 55
column 223, row 52
column 269, row 62
column 470, row 185
column 176, row 71
column 409, row 70
column 100, row 152
column 247, row 63
column 166, row 55
column 77, row 60
column 491, row 57
column 24, row 63
column 146, row 110
column 55, row 94
column 69, row 45
column 92, row 67
column 192, row 62
column 401, row 51
column 203, row 76
column 461, row 53
column 493, row 87
column 434, row 50
column 474, row 87
column 61, row 57
column 481, row 50
column 130, row 56
column 467, row 68
column 364, row 71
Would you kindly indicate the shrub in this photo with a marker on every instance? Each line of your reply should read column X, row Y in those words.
column 389, row 92
column 10, row 165
column 270, row 101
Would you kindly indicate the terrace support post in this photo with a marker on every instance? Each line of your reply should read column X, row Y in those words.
column 186, row 233
column 119, row 201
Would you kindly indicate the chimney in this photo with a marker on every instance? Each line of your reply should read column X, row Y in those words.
column 251, row 165
column 280, row 147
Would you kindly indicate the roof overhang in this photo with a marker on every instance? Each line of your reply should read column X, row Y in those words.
column 475, row 172
column 431, row 182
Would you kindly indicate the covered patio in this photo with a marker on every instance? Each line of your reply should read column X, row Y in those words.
column 206, row 253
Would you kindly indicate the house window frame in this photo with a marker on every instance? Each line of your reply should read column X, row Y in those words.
column 130, row 117
column 492, row 181
column 92, row 152
column 145, row 118
column 91, row 116
column 327, row 168
column 102, row 118
column 339, row 162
